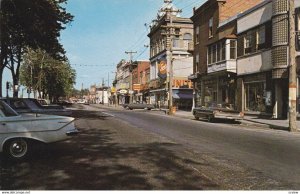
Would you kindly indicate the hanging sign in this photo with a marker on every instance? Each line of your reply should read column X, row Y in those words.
column 162, row 69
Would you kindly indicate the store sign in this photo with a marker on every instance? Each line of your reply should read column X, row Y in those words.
column 162, row 69
column 113, row 90
column 123, row 91
column 136, row 87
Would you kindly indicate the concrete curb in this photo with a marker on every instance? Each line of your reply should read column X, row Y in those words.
column 270, row 126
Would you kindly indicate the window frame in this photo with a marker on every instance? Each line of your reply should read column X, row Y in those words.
column 210, row 27
column 248, row 41
column 234, row 48
column 197, row 35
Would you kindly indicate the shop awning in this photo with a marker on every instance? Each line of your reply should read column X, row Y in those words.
column 158, row 90
column 183, row 94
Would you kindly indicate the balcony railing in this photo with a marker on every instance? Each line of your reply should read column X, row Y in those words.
column 228, row 65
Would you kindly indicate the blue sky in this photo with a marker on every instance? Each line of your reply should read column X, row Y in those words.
column 103, row 30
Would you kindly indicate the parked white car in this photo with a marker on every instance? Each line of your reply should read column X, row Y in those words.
column 18, row 132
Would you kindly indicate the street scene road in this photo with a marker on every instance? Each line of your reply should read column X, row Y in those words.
column 150, row 95
column 120, row 149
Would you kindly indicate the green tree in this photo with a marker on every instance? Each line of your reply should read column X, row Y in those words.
column 47, row 75
column 30, row 23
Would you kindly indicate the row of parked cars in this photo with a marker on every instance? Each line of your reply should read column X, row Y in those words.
column 25, row 121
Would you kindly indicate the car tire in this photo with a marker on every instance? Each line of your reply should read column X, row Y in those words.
column 210, row 119
column 197, row 118
column 17, row 148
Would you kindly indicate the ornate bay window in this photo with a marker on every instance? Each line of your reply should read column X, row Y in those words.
column 222, row 55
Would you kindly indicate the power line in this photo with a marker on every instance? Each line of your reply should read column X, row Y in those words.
column 84, row 65
column 141, row 53
column 141, row 39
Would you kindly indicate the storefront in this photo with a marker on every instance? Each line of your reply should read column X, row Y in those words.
column 219, row 89
column 123, row 96
column 259, row 93
column 255, row 93
column 159, row 98
column 183, row 99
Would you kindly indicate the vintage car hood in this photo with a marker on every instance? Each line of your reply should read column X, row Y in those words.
column 34, row 123
column 36, row 116
column 63, row 112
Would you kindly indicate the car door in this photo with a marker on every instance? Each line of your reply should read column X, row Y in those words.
column 10, row 123
column 14, row 127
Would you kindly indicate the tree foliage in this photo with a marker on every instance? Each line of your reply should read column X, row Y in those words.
column 30, row 24
column 47, row 75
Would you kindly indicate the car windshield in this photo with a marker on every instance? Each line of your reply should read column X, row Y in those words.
column 6, row 111
column 224, row 105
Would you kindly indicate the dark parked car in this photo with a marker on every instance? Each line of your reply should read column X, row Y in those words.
column 64, row 103
column 132, row 106
column 31, row 105
column 217, row 111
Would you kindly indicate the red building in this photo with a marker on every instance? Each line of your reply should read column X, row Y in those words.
column 140, row 81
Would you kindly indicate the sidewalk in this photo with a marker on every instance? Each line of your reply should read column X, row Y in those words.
column 249, row 120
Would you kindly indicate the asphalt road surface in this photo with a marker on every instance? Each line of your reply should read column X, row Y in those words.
column 147, row 150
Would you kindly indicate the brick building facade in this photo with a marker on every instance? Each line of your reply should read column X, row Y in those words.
column 214, row 72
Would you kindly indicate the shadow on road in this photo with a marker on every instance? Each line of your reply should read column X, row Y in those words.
column 222, row 121
column 88, row 114
column 94, row 161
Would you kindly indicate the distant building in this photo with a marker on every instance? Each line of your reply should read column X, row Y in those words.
column 160, row 44
column 140, row 81
column 122, row 82
column 103, row 95
column 93, row 94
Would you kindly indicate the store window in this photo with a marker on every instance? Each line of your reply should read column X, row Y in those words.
column 254, row 96
column 210, row 92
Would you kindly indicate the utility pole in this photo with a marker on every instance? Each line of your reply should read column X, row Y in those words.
column 130, row 53
column 169, row 12
column 292, row 70
column 81, row 90
column 108, row 79
column 107, row 89
column 103, row 91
